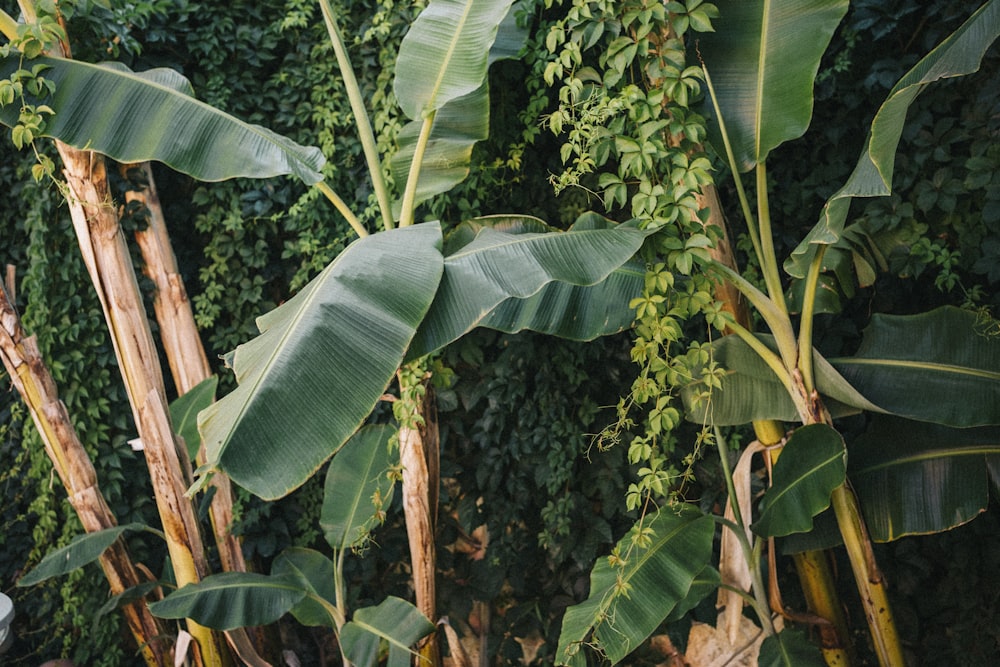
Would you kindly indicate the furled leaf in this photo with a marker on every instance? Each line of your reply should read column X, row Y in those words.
column 763, row 58
column 445, row 53
column 134, row 117
column 812, row 464
column 942, row 366
column 184, row 412
column 232, row 600
column 959, row 54
column 627, row 603
column 395, row 621
column 357, row 486
column 81, row 550
column 458, row 124
column 322, row 361
column 511, row 263
column 315, row 574
column 914, row 478
column 789, row 648
column 751, row 391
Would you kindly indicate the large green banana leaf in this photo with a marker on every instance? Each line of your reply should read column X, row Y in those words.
column 914, row 478
column 322, row 361
column 355, row 481
column 942, row 366
column 233, row 600
column 763, row 58
column 960, row 54
column 813, row 463
column 751, row 391
column 627, row 603
column 514, row 275
column 460, row 122
column 184, row 412
column 152, row 116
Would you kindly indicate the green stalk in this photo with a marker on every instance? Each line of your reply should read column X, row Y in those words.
column 868, row 578
column 769, row 261
column 360, row 116
column 410, row 194
column 341, row 206
column 731, row 157
column 806, row 323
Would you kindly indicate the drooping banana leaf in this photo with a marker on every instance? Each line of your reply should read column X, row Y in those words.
column 458, row 123
column 322, row 361
column 942, row 366
column 81, row 550
column 751, row 391
column 355, row 481
column 233, row 600
column 395, row 621
column 315, row 573
column 627, row 603
column 915, row 478
column 763, row 58
column 959, row 54
column 576, row 284
column 135, row 117
column 813, row 463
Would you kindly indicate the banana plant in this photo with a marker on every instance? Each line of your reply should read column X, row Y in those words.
column 326, row 357
column 903, row 476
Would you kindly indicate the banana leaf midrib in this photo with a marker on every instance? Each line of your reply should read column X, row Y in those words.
column 917, row 365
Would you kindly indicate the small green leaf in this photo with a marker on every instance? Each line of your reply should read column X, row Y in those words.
column 395, row 621
column 315, row 572
column 812, row 464
column 184, row 412
column 82, row 550
column 357, row 486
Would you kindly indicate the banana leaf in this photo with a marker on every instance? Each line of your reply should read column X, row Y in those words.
column 959, row 54
column 627, row 603
column 135, row 117
column 355, row 481
column 395, row 621
column 518, row 275
column 789, row 648
column 763, row 58
column 813, row 463
column 315, row 573
column 942, row 366
column 81, row 550
column 233, row 600
column 460, row 122
column 915, row 478
column 322, row 361
column 184, row 412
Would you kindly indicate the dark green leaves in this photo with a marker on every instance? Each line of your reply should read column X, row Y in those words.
column 395, row 621
column 812, row 464
column 626, row 603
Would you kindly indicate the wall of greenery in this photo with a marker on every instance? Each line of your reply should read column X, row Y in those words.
column 522, row 474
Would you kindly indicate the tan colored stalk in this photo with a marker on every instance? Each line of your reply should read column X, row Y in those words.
column 34, row 383
column 182, row 344
column 107, row 258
